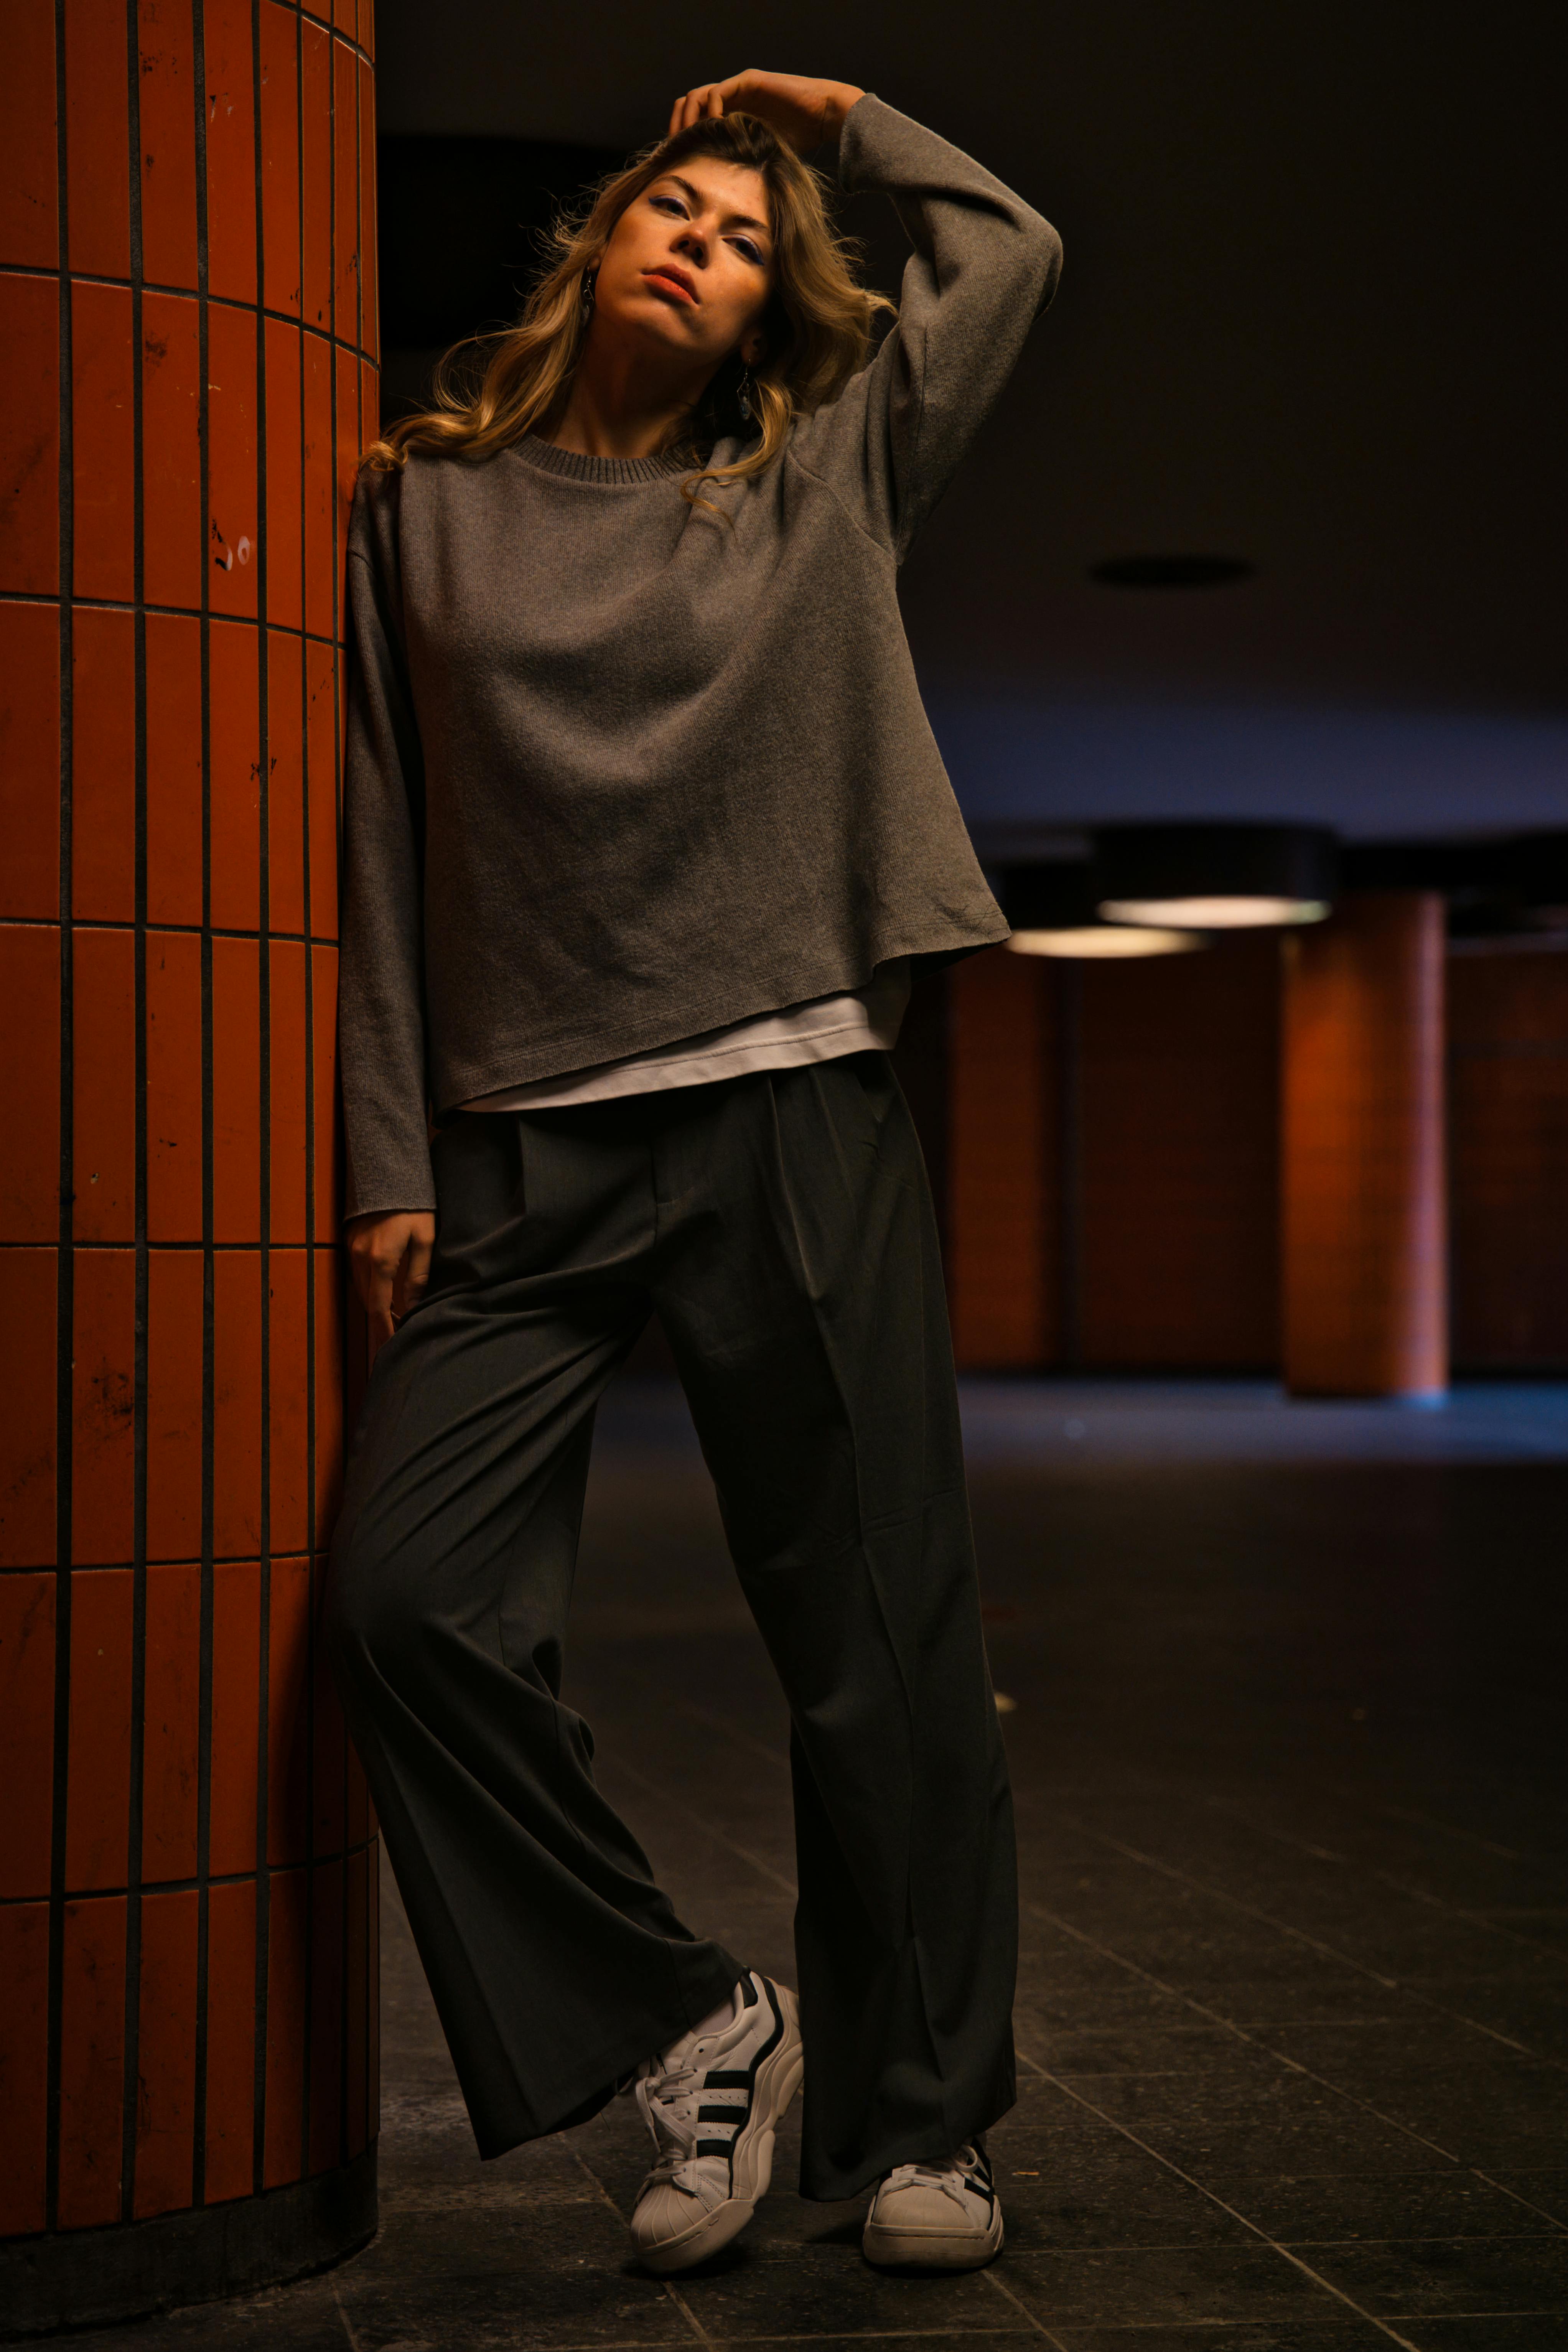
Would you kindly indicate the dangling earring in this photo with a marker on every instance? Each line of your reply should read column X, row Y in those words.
column 590, row 278
column 743, row 395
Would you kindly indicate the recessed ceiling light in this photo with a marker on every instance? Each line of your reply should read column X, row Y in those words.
column 1232, row 911
column 1171, row 571
column 1106, row 940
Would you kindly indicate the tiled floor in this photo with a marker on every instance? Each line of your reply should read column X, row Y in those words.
column 1289, row 1745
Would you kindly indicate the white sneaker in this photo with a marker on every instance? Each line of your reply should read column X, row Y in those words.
column 938, row 2217
column 712, row 2102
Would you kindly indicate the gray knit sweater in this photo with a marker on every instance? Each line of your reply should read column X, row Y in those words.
column 620, row 772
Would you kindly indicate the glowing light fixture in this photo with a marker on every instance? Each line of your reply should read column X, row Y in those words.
column 1216, row 877
column 1106, row 940
column 1054, row 908
column 1237, row 912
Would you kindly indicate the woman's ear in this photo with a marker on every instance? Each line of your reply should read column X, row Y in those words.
column 753, row 348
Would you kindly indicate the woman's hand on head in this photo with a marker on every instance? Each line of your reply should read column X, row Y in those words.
column 389, row 1257
column 803, row 111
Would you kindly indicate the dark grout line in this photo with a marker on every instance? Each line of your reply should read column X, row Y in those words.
column 1292, row 2065
column 1261, row 2234
column 764, row 1869
column 1401, row 1885
column 999, row 2286
column 1300, row 1936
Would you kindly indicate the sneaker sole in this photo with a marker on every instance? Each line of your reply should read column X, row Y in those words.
column 932, row 2250
column 751, row 2163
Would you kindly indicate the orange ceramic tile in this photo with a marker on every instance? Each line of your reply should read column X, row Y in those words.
column 234, row 780
column 236, row 1716
column 367, row 28
column 29, row 207
column 97, row 1778
column 284, row 485
column 23, row 2067
column 324, row 1083
column 231, row 151
column 236, row 1403
column 345, row 17
column 103, row 765
column 369, row 401
column 328, row 1739
column 316, row 117
column 171, row 1722
column 27, row 1412
column 172, row 551
column 175, row 1404
column 321, row 755
column 173, row 769
column 103, row 1083
column 326, row 2139
column 29, row 462
column 234, row 512
column 329, row 1391
column 30, row 760
column 280, row 155
column 103, row 499
column 287, row 1974
column 103, row 1396
column 321, row 560
column 288, row 1094
column 237, row 1091
column 26, row 1732
column 173, row 1086
column 92, row 2062
column 369, row 337
column 167, row 97
column 231, row 2042
column 166, row 2056
column 98, row 146
column 346, row 194
column 357, row 1996
column 286, row 782
column 289, row 1404
column 287, row 1711
column 30, row 1081
column 350, row 445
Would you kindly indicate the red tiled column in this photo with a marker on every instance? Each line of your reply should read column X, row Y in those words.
column 1365, row 1245
column 187, row 1858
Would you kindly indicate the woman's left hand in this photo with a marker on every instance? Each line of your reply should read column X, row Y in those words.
column 805, row 112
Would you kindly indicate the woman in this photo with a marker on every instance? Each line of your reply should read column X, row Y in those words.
column 644, row 829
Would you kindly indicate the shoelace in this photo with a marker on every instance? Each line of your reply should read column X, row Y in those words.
column 669, row 2104
column 963, row 2171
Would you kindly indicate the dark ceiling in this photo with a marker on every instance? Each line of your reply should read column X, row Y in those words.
column 1312, row 318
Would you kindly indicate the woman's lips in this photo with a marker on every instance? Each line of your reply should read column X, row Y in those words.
column 668, row 282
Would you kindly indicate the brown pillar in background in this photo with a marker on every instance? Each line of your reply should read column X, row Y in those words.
column 1002, row 1203
column 187, row 1858
column 1363, row 1243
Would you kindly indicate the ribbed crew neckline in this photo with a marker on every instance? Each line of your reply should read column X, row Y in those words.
column 578, row 469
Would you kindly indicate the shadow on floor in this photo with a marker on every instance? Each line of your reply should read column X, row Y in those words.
column 1287, row 1741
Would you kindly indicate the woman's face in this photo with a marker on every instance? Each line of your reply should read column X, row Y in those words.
column 688, row 270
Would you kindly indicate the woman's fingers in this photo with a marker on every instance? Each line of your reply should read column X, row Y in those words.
column 414, row 1272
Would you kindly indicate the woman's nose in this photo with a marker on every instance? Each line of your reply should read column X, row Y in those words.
column 692, row 242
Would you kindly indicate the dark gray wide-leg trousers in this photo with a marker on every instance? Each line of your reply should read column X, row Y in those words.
column 780, row 1225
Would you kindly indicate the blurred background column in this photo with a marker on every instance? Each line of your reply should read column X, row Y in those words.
column 187, row 1861
column 1364, row 1240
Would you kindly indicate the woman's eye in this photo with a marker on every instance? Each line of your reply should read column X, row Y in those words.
column 747, row 250
column 670, row 205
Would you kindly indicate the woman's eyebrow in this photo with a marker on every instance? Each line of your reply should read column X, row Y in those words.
column 731, row 220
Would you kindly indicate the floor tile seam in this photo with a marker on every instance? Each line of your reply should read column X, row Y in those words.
column 754, row 1861
column 666, row 2288
column 1529, row 2204
column 1292, row 2065
column 988, row 2278
column 1469, row 1912
column 1444, row 1828
column 1284, row 2253
column 348, row 2326
column 1326, row 1951
column 773, row 1756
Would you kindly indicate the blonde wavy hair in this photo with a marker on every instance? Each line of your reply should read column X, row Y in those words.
column 491, row 390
